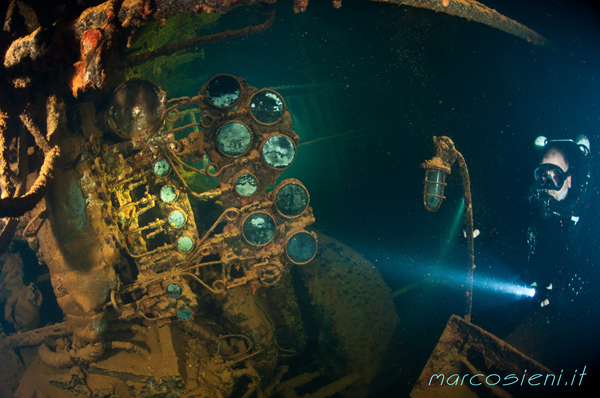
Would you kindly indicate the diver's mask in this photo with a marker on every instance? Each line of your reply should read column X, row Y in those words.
column 550, row 176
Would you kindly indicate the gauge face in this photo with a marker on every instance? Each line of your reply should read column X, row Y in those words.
column 267, row 106
column 279, row 152
column 185, row 244
column 162, row 168
column 246, row 185
column 301, row 247
column 258, row 228
column 177, row 219
column 234, row 139
column 168, row 194
column 291, row 199
column 270, row 274
column 136, row 108
column 174, row 290
column 184, row 313
column 223, row 91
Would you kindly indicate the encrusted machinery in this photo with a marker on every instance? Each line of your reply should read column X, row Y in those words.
column 159, row 227
column 169, row 242
column 247, row 136
column 244, row 142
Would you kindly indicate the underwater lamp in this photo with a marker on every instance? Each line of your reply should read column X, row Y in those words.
column 433, row 193
column 436, row 170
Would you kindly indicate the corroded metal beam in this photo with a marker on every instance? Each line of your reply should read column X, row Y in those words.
column 462, row 346
column 38, row 336
column 17, row 206
column 202, row 40
column 475, row 11
column 96, row 29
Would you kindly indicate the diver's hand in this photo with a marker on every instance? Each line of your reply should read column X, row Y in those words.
column 555, row 300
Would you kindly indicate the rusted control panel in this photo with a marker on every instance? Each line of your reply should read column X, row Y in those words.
column 227, row 145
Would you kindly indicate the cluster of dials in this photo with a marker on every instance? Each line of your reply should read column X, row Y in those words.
column 244, row 137
column 151, row 210
column 254, row 144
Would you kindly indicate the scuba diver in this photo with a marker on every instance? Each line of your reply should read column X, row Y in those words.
column 559, row 326
column 559, row 196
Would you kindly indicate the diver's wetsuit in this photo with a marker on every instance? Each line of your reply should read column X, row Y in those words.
column 563, row 324
column 554, row 241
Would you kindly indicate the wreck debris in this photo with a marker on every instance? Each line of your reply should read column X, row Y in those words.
column 468, row 9
column 55, row 116
column 28, row 201
column 88, row 71
column 202, row 40
column 7, row 233
column 7, row 185
column 21, row 300
column 300, row 5
column 17, row 206
column 475, row 11
column 29, row 16
column 8, row 192
column 67, row 357
column 138, row 12
column 466, row 349
column 129, row 347
column 38, row 336
column 360, row 336
column 337, row 386
column 29, row 47
column 98, row 27
column 97, row 34
column 11, row 369
column 40, row 140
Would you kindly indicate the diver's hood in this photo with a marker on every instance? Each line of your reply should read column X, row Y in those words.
column 577, row 152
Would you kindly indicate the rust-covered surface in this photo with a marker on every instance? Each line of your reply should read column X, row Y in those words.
column 470, row 362
column 168, row 242
column 340, row 282
column 475, row 11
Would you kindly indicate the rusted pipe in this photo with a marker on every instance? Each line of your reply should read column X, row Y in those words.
column 202, row 40
column 475, row 11
column 67, row 359
column 466, row 182
column 17, row 206
column 38, row 336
